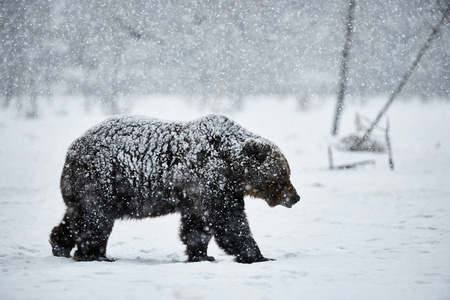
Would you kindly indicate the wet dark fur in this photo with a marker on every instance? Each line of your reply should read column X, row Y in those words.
column 135, row 167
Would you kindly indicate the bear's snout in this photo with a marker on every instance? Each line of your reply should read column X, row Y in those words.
column 289, row 202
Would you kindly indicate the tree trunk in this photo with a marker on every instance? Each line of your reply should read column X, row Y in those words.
column 344, row 67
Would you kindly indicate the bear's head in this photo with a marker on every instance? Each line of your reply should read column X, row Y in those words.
column 267, row 174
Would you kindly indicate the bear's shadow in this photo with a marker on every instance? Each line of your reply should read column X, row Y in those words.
column 147, row 261
column 153, row 261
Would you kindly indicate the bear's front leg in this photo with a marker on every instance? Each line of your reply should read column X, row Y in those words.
column 196, row 236
column 233, row 235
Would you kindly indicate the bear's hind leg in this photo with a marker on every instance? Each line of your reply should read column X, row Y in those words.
column 62, row 238
column 93, row 229
column 196, row 236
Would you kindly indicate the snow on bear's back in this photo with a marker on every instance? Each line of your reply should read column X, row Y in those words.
column 139, row 143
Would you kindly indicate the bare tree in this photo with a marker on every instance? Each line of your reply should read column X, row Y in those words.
column 407, row 75
column 344, row 67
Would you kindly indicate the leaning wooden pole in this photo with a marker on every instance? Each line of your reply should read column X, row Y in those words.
column 405, row 77
column 344, row 67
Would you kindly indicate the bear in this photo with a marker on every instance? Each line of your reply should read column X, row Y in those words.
column 134, row 167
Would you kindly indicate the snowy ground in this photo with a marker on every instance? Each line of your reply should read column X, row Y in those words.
column 369, row 233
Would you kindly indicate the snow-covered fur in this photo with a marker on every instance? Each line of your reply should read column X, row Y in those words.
column 138, row 167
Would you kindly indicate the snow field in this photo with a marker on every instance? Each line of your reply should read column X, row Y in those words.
column 368, row 233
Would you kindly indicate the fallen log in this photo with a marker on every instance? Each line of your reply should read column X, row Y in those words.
column 347, row 166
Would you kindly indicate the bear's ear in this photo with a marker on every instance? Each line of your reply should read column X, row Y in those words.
column 256, row 149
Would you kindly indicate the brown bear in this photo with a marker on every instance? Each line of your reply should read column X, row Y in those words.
column 138, row 167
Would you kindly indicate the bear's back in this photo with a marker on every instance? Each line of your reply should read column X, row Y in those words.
column 143, row 149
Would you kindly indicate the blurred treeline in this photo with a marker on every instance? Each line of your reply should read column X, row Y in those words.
column 110, row 49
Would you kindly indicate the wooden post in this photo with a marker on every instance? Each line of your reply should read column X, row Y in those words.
column 330, row 158
column 388, row 145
